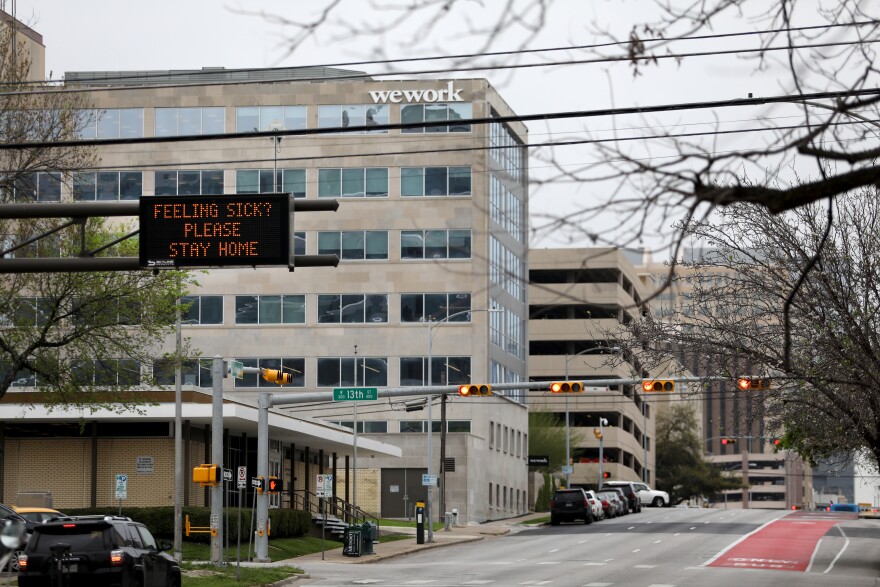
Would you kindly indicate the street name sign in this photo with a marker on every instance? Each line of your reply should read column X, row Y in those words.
column 344, row 394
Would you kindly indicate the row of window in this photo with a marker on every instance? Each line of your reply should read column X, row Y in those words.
column 112, row 123
column 505, row 500
column 348, row 245
column 405, row 426
column 332, row 308
column 337, row 182
column 507, row 210
column 506, row 269
column 329, row 372
column 507, row 440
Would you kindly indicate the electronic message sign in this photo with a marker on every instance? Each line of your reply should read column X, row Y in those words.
column 242, row 230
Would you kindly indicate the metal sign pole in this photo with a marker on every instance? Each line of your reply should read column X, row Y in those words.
column 238, row 556
column 323, row 527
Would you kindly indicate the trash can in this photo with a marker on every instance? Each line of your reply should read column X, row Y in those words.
column 370, row 534
column 353, row 539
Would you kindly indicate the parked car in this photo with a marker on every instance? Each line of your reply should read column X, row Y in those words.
column 9, row 513
column 96, row 550
column 614, row 501
column 629, row 491
column 38, row 515
column 595, row 504
column 652, row 497
column 567, row 505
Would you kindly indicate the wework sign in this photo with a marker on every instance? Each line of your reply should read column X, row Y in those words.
column 447, row 94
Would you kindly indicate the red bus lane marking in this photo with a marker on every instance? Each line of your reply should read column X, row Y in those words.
column 786, row 544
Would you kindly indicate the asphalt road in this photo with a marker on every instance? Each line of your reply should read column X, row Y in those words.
column 656, row 548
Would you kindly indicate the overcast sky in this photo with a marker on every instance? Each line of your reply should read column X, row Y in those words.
column 189, row 34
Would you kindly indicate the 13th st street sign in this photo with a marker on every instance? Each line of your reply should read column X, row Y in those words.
column 349, row 394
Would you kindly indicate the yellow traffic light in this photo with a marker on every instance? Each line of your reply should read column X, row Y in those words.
column 598, row 433
column 471, row 390
column 746, row 383
column 650, row 385
column 566, row 387
column 206, row 475
column 276, row 376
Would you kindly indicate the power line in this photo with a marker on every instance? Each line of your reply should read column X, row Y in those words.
column 544, row 116
column 197, row 73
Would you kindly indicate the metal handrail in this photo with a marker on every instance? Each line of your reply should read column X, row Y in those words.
column 336, row 506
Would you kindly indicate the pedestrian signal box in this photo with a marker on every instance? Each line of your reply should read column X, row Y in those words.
column 207, row 475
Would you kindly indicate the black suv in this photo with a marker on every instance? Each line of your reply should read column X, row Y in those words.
column 96, row 550
column 570, row 504
column 629, row 491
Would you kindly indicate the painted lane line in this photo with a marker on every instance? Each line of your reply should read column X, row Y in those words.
column 845, row 544
column 479, row 582
column 598, row 585
column 677, row 534
column 657, row 541
column 582, row 541
column 692, row 528
column 813, row 556
column 637, row 550
column 593, row 564
column 555, row 550
column 548, row 563
column 645, row 567
column 631, row 527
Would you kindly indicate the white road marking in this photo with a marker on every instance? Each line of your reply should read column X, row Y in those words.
column 631, row 527
column 598, row 585
column 740, row 539
column 421, row 581
column 581, row 542
column 367, row 581
column 645, row 567
column 845, row 544
column 657, row 541
column 677, row 534
column 479, row 582
column 555, row 550
column 548, row 563
column 636, row 550
column 692, row 528
column 593, row 564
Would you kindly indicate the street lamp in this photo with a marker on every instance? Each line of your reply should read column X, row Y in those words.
column 612, row 349
column 428, row 500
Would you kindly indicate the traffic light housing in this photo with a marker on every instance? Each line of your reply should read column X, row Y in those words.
column 207, row 475
column 566, row 387
column 606, row 475
column 277, row 376
column 275, row 485
column 728, row 440
column 651, row 385
column 598, row 433
column 748, row 383
column 481, row 389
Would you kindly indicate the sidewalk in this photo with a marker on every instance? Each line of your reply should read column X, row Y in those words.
column 386, row 550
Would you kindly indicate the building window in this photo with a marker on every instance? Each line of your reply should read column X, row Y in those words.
column 435, row 181
column 266, row 118
column 277, row 309
column 454, row 112
column 203, row 309
column 352, row 308
column 108, row 185
column 461, row 426
column 354, row 245
column 353, row 182
column 346, row 115
column 107, row 372
column 295, row 366
column 507, row 150
column 112, row 123
column 37, row 187
column 342, row 371
column 507, row 210
column 444, row 370
column 490, row 495
column 189, row 183
column 197, row 372
column 259, row 181
column 174, row 122
column 434, row 307
column 368, row 427
column 435, row 244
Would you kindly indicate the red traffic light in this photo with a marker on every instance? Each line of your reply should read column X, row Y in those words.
column 744, row 383
column 651, row 385
column 605, row 474
column 728, row 440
